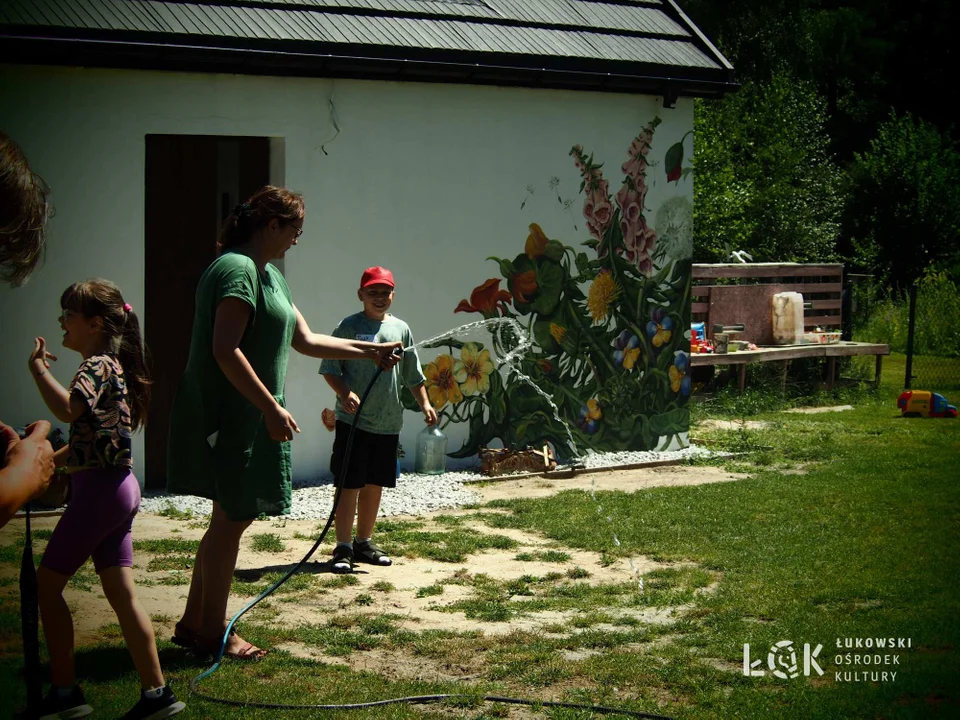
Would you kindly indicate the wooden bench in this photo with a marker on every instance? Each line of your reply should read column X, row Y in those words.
column 741, row 293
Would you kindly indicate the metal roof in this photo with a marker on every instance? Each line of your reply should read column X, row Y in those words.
column 619, row 45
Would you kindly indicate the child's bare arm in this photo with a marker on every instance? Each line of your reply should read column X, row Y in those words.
column 64, row 407
column 423, row 400
column 348, row 399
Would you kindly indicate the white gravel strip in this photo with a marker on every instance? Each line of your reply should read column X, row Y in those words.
column 415, row 494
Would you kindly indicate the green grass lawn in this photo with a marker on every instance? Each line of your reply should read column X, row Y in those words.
column 847, row 527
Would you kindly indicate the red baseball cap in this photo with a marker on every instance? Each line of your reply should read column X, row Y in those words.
column 376, row 276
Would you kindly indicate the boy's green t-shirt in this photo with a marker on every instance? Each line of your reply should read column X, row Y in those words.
column 383, row 411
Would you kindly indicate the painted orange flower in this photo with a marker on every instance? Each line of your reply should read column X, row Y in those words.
column 442, row 386
column 536, row 242
column 524, row 285
column 486, row 299
column 558, row 332
column 473, row 369
column 329, row 418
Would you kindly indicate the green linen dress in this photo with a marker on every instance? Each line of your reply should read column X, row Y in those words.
column 219, row 447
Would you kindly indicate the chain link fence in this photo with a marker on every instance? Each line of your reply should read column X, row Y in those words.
column 924, row 326
column 927, row 367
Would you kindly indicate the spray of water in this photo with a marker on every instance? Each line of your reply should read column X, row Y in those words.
column 512, row 343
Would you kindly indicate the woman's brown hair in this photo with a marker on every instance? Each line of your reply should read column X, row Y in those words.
column 102, row 299
column 264, row 205
column 23, row 214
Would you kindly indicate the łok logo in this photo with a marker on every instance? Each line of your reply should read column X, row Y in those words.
column 782, row 661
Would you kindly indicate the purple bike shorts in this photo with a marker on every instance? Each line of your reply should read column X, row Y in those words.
column 97, row 523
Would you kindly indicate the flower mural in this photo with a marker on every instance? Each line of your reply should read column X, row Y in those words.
column 590, row 416
column 536, row 242
column 558, row 332
column 472, row 371
column 487, row 299
column 329, row 419
column 603, row 291
column 608, row 366
column 679, row 382
column 660, row 328
column 627, row 350
column 523, row 285
column 442, row 385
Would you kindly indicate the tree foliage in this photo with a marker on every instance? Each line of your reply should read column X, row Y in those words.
column 904, row 211
column 863, row 82
column 765, row 181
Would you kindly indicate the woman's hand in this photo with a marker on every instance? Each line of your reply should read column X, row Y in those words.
column 429, row 414
column 350, row 403
column 39, row 358
column 280, row 424
column 388, row 354
column 32, row 458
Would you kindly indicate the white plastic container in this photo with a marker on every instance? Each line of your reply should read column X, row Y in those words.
column 788, row 318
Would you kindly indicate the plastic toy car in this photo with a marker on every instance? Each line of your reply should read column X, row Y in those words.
column 697, row 342
column 923, row 403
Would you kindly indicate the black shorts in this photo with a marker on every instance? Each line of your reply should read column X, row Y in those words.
column 373, row 458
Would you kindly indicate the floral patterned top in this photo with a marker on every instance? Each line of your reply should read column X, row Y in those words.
column 101, row 436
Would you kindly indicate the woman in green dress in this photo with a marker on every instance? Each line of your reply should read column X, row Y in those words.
column 230, row 431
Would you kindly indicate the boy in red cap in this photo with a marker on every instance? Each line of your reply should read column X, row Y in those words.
column 373, row 456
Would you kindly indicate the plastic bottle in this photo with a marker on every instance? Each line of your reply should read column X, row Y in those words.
column 431, row 451
column 788, row 318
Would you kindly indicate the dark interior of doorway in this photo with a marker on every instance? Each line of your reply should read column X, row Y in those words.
column 192, row 183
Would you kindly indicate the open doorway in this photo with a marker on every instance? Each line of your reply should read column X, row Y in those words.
column 192, row 184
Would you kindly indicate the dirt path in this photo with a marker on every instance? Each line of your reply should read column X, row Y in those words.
column 93, row 617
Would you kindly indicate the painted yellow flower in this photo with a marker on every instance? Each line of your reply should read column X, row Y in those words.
column 593, row 409
column 558, row 332
column 627, row 351
column 473, row 369
column 603, row 291
column 536, row 242
column 662, row 336
column 676, row 378
column 660, row 328
column 679, row 382
column 590, row 416
column 442, row 386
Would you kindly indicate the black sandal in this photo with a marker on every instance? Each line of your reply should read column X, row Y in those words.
column 342, row 561
column 369, row 553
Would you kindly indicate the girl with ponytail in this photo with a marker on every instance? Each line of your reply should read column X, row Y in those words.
column 107, row 401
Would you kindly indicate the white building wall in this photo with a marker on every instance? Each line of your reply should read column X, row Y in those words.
column 426, row 179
